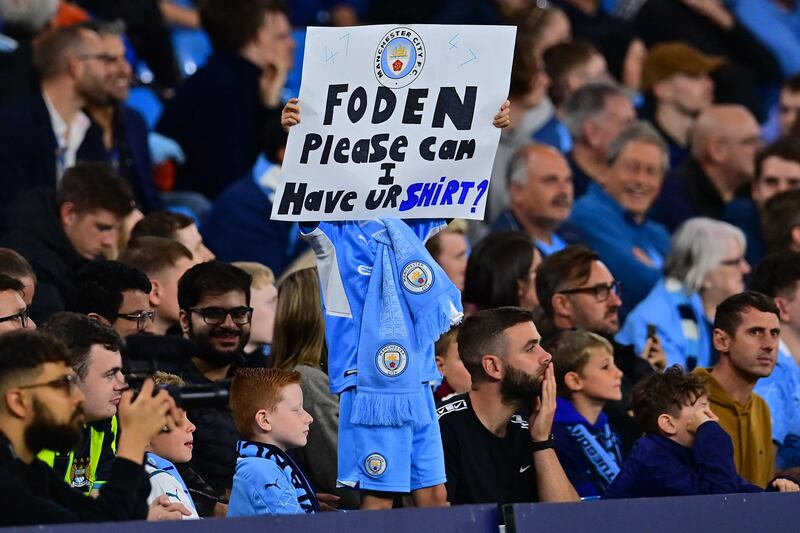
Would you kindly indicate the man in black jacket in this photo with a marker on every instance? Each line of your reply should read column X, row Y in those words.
column 118, row 133
column 229, row 110
column 59, row 231
column 40, row 407
column 40, row 133
column 215, row 313
column 576, row 290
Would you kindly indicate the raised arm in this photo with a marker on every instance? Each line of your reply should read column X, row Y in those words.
column 552, row 483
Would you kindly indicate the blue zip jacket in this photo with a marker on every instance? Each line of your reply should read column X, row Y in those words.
column 267, row 482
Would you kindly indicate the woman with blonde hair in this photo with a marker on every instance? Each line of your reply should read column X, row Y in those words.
column 264, row 301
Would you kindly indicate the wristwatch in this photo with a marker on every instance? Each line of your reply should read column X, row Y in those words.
column 550, row 443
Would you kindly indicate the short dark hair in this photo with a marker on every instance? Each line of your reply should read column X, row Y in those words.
column 79, row 333
column 777, row 274
column 443, row 344
column 54, row 48
column 23, row 351
column 779, row 217
column 572, row 264
column 495, row 266
column 792, row 84
column 12, row 264
column 231, row 24
column 153, row 254
column 665, row 393
column 729, row 313
column 560, row 60
column 163, row 224
column 99, row 285
column 525, row 67
column 482, row 333
column 212, row 277
column 92, row 186
column 7, row 283
column 786, row 148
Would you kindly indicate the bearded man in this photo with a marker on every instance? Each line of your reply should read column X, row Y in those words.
column 215, row 313
column 41, row 407
column 498, row 445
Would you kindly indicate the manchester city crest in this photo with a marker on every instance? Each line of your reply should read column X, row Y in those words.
column 392, row 360
column 399, row 58
column 417, row 277
column 375, row 464
column 80, row 473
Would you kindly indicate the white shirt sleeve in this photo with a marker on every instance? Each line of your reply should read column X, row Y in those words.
column 163, row 483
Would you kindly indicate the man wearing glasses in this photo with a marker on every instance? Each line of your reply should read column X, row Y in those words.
column 215, row 313
column 13, row 311
column 577, row 290
column 114, row 294
column 118, row 133
column 40, row 407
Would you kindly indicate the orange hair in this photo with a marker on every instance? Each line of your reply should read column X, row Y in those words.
column 254, row 389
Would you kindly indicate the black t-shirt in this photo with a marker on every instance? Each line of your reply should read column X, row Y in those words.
column 482, row 467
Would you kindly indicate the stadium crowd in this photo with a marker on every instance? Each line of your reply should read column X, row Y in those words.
column 631, row 297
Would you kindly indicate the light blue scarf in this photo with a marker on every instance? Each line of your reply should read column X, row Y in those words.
column 409, row 303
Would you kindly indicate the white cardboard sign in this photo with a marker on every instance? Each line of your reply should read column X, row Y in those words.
column 396, row 121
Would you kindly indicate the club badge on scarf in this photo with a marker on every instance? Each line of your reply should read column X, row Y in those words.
column 414, row 302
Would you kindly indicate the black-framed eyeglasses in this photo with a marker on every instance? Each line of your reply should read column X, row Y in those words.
column 601, row 291
column 66, row 383
column 214, row 316
column 141, row 318
column 23, row 317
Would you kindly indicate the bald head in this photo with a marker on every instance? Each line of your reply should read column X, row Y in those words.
column 725, row 139
column 728, row 122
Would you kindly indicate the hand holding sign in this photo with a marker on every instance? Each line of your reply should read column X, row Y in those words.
column 290, row 116
column 503, row 118
column 403, row 132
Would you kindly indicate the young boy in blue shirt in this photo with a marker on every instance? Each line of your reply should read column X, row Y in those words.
column 587, row 378
column 267, row 406
column 379, row 272
column 685, row 451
